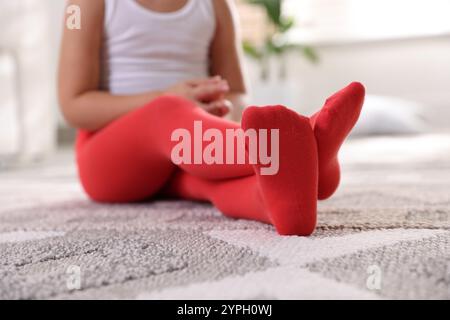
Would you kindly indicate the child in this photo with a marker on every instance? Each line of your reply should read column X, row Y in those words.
column 138, row 70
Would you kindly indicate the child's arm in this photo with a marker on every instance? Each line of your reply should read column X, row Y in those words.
column 83, row 104
column 226, row 54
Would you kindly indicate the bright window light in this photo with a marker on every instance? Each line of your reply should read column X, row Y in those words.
column 356, row 20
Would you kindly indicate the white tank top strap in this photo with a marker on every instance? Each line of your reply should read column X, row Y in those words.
column 207, row 7
column 110, row 8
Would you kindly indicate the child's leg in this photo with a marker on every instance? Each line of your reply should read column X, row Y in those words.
column 129, row 160
column 166, row 114
column 114, row 166
column 288, row 199
column 331, row 127
column 236, row 198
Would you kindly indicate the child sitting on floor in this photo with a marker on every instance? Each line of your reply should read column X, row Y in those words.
column 138, row 71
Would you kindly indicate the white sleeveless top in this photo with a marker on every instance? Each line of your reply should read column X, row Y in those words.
column 144, row 50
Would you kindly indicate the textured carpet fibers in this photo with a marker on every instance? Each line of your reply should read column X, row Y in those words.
column 386, row 234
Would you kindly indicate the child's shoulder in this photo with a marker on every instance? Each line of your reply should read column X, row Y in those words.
column 221, row 5
column 89, row 7
column 224, row 9
column 92, row 11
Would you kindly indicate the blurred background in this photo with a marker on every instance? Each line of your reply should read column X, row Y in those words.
column 297, row 52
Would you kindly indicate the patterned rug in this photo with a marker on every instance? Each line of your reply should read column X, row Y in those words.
column 385, row 235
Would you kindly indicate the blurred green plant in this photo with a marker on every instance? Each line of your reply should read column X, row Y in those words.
column 276, row 43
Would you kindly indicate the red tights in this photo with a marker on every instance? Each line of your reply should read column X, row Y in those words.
column 130, row 160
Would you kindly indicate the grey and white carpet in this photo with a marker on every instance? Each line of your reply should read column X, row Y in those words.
column 385, row 235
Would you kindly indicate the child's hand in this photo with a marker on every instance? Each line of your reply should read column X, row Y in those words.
column 209, row 90
column 208, row 93
column 220, row 108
